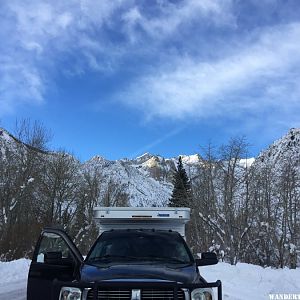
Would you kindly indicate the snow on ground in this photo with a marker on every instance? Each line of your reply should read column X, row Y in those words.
column 246, row 281
column 13, row 279
column 241, row 282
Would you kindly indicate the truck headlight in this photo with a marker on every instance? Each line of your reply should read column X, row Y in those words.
column 202, row 294
column 70, row 293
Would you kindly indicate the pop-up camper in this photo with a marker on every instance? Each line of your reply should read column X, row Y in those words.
column 158, row 218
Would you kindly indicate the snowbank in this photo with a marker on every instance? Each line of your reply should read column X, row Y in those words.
column 246, row 281
column 240, row 282
column 13, row 279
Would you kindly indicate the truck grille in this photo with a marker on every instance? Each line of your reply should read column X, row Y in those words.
column 124, row 294
column 151, row 294
column 108, row 294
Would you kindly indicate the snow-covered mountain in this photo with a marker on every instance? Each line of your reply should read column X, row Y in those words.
column 144, row 184
column 285, row 148
column 147, row 179
column 8, row 141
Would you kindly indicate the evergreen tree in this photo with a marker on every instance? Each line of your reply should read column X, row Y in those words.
column 181, row 195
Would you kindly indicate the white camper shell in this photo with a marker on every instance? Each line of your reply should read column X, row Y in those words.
column 159, row 218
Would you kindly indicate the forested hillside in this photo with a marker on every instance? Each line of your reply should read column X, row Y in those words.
column 244, row 209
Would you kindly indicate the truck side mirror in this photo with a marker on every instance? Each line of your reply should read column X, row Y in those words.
column 207, row 259
column 55, row 258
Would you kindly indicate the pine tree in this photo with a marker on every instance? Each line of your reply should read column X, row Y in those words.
column 181, row 195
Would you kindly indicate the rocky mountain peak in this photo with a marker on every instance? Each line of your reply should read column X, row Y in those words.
column 286, row 146
column 144, row 157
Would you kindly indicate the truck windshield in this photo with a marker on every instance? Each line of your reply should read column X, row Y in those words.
column 151, row 246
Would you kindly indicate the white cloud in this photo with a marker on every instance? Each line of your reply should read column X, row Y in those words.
column 171, row 17
column 38, row 36
column 19, row 84
column 200, row 88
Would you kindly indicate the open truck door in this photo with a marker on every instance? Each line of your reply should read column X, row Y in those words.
column 55, row 258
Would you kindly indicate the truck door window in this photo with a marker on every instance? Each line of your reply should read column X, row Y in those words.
column 52, row 242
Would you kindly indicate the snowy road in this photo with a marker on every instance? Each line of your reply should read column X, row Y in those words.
column 241, row 282
column 13, row 290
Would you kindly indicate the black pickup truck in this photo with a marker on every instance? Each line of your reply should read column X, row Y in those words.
column 127, row 264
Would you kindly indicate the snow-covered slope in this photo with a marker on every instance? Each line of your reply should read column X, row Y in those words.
column 7, row 141
column 240, row 282
column 133, row 179
column 286, row 147
column 147, row 179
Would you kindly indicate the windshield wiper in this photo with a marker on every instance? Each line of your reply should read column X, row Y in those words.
column 109, row 257
column 112, row 257
column 163, row 258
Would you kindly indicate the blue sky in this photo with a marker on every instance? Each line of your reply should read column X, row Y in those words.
column 120, row 78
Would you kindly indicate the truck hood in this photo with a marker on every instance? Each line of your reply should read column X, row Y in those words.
column 140, row 272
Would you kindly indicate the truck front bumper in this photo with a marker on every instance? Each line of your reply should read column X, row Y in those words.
column 105, row 290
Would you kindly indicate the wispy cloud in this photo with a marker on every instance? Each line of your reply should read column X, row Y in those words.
column 38, row 36
column 171, row 17
column 156, row 142
column 189, row 58
column 262, row 72
column 19, row 83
